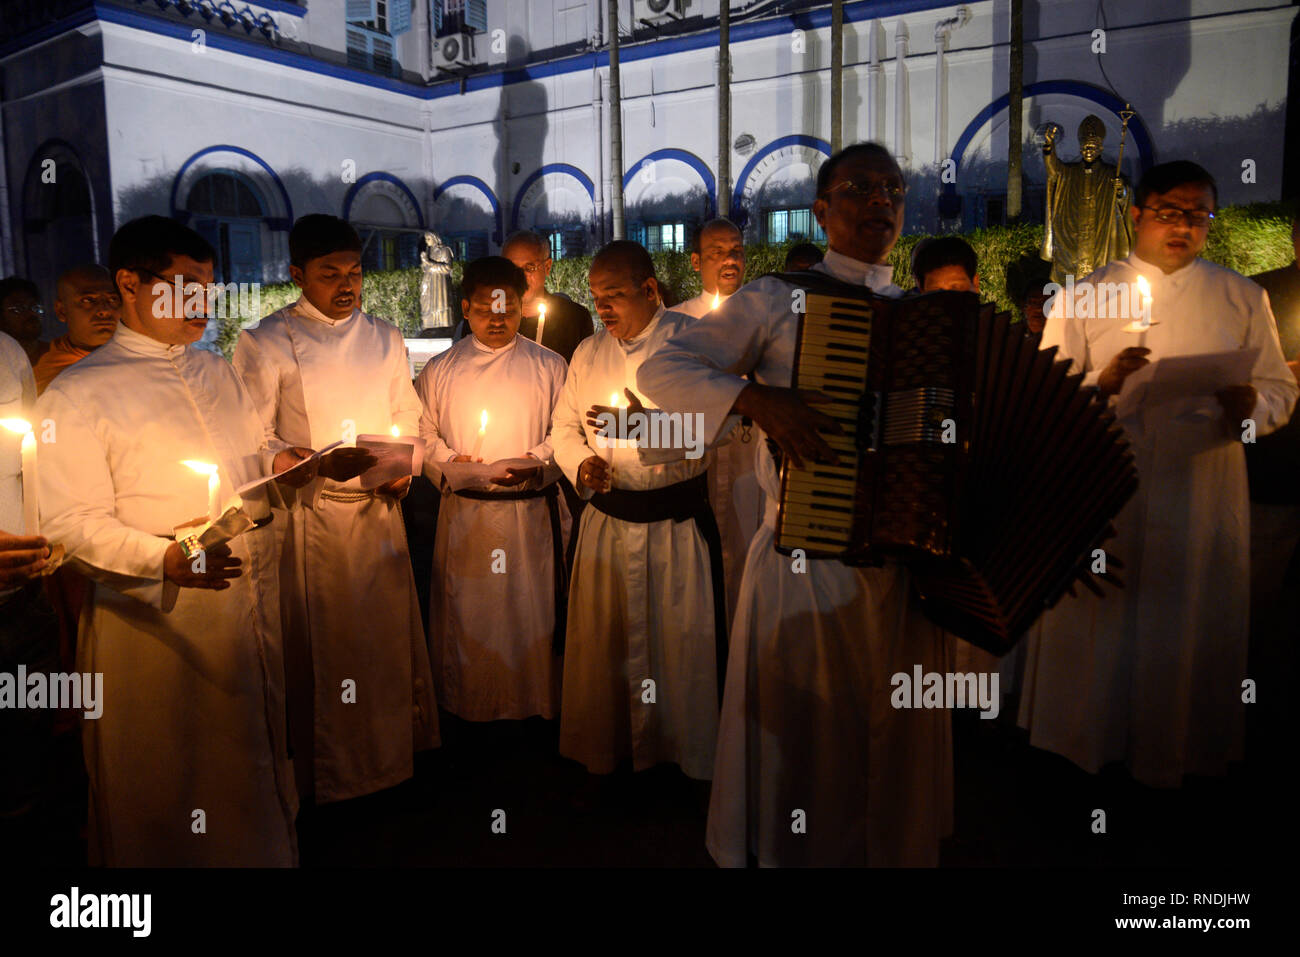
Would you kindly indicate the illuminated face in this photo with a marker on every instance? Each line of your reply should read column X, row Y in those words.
column 1171, row 246
column 536, row 264
column 331, row 283
column 91, row 307
column 624, row 305
column 721, row 260
column 493, row 315
column 1090, row 149
column 951, row 278
column 151, row 307
column 862, row 211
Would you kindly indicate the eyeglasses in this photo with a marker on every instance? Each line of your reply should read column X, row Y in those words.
column 35, row 309
column 1167, row 215
column 533, row 267
column 894, row 189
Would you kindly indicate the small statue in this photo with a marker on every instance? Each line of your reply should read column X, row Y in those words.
column 1088, row 223
column 435, row 280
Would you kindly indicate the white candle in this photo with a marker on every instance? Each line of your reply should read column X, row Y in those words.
column 541, row 322
column 31, row 513
column 482, row 428
column 214, row 485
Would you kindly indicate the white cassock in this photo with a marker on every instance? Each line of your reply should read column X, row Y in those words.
column 193, row 694
column 641, row 599
column 491, row 631
column 352, row 614
column 1151, row 675
column 806, row 721
column 734, row 492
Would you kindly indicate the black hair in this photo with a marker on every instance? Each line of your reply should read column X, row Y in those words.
column 319, row 234
column 827, row 171
column 1167, row 176
column 17, row 284
column 629, row 256
column 148, row 244
column 493, row 272
column 932, row 254
column 802, row 256
column 697, row 234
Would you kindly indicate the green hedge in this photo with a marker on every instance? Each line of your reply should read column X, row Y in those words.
column 1249, row 239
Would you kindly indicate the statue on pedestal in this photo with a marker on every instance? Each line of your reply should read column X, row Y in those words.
column 435, row 283
column 1088, row 222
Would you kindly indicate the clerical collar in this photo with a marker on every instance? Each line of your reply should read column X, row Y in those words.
column 641, row 336
column 143, row 345
column 481, row 347
column 304, row 306
column 1157, row 276
column 871, row 275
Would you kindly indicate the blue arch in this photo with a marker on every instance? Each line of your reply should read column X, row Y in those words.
column 691, row 160
column 533, row 177
column 387, row 178
column 483, row 188
column 1141, row 137
column 274, row 222
column 796, row 139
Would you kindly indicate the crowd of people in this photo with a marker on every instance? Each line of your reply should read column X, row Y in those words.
column 631, row 591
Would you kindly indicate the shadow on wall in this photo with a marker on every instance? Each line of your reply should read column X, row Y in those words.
column 521, row 131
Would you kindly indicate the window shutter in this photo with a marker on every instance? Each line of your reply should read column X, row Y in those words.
column 383, row 54
column 476, row 15
column 399, row 16
column 435, row 15
column 358, row 49
column 361, row 11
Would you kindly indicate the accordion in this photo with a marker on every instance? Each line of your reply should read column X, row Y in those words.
column 967, row 454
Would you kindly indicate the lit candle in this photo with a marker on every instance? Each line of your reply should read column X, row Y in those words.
column 541, row 322
column 717, row 300
column 214, row 486
column 482, row 429
column 1142, row 323
column 31, row 515
column 397, row 433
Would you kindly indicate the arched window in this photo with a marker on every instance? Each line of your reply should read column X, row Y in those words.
column 58, row 218
column 228, row 211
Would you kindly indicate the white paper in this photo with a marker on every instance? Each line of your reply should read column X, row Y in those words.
column 397, row 457
column 243, row 490
column 1181, row 377
column 479, row 475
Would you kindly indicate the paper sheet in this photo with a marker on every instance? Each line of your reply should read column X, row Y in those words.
column 397, row 457
column 1179, row 377
column 479, row 475
column 243, row 490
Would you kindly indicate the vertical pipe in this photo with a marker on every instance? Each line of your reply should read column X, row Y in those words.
column 837, row 76
column 874, row 71
column 724, row 108
column 615, row 126
column 902, row 152
column 1015, row 120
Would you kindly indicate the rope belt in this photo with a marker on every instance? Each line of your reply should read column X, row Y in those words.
column 347, row 495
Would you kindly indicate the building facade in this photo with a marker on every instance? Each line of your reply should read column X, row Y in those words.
column 478, row 117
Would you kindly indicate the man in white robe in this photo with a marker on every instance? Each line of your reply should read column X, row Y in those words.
column 493, row 599
column 814, row 766
column 718, row 255
column 188, row 761
column 1152, row 675
column 640, row 668
column 321, row 370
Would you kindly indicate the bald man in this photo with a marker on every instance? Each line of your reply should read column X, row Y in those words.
column 88, row 304
column 567, row 323
column 641, row 652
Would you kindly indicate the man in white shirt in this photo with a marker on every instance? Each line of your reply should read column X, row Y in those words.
column 322, row 371
column 814, row 766
column 641, row 655
column 1153, row 675
column 718, row 255
column 498, row 591
column 188, row 761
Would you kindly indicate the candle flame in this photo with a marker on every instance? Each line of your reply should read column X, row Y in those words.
column 20, row 426
column 614, row 400
column 203, row 468
column 542, row 310
column 1144, row 287
column 482, row 421
column 397, row 433
column 717, row 300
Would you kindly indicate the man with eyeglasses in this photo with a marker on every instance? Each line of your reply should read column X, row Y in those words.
column 21, row 313
column 567, row 323
column 814, row 766
column 89, row 305
column 1152, row 675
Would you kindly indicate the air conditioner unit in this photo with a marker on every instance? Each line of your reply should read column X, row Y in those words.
column 655, row 11
column 456, row 50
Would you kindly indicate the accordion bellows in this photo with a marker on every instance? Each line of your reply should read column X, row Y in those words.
column 967, row 454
